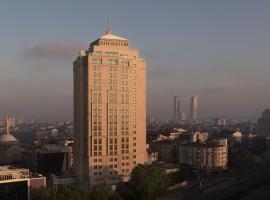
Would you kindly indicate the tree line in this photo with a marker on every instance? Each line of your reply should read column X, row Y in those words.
column 148, row 182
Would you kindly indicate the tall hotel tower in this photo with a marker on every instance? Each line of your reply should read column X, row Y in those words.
column 109, row 111
column 195, row 108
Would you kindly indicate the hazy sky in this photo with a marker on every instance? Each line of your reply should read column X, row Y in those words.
column 219, row 50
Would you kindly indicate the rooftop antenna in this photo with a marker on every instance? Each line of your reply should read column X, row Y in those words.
column 109, row 28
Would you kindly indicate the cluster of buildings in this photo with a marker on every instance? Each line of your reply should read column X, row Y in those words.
column 14, row 121
column 208, row 150
column 223, row 121
column 194, row 150
column 109, row 130
column 19, row 183
column 9, row 145
column 48, row 155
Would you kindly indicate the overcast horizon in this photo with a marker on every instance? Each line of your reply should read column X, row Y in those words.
column 216, row 50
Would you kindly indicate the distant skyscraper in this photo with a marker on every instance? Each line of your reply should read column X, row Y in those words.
column 109, row 111
column 195, row 108
column 177, row 108
column 9, row 121
column 183, row 116
column 263, row 124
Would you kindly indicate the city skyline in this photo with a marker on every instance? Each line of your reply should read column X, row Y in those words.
column 134, row 100
column 218, row 51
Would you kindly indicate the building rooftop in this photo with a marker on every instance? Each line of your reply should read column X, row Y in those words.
column 207, row 144
column 110, row 39
column 110, row 36
column 7, row 138
column 2, row 168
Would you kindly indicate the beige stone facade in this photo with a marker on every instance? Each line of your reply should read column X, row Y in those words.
column 109, row 111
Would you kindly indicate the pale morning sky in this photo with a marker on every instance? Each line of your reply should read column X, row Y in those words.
column 218, row 50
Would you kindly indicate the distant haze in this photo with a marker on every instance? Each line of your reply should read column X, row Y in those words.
column 218, row 50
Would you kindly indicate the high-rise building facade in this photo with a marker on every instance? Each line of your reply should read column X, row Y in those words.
column 109, row 111
column 195, row 108
column 178, row 108
column 263, row 125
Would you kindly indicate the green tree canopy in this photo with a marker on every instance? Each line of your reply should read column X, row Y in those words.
column 149, row 182
column 71, row 192
column 44, row 194
column 242, row 159
column 125, row 191
column 74, row 192
column 103, row 192
column 181, row 175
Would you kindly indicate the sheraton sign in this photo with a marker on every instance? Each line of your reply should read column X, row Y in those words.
column 113, row 43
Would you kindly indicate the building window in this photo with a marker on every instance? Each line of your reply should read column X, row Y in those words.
column 112, row 62
column 97, row 61
column 98, row 53
column 111, row 54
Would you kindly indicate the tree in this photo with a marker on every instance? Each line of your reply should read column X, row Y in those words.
column 103, row 192
column 266, row 157
column 149, row 182
column 43, row 194
column 125, row 191
column 242, row 159
column 71, row 192
column 74, row 192
column 181, row 175
column 64, row 192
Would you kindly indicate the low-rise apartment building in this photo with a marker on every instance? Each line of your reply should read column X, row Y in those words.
column 206, row 156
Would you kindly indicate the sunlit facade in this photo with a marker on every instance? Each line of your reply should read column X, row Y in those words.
column 109, row 111
column 195, row 108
